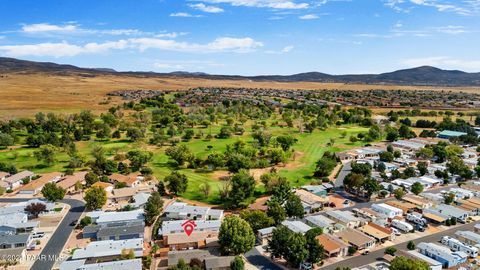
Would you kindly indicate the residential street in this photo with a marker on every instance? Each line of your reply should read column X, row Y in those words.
column 56, row 243
column 260, row 261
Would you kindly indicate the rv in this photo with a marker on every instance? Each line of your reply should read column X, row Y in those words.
column 402, row 225
column 416, row 218
column 456, row 245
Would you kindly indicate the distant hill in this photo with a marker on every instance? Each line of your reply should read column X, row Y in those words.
column 425, row 75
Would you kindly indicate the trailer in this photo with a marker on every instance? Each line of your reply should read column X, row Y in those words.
column 402, row 225
column 416, row 218
column 456, row 245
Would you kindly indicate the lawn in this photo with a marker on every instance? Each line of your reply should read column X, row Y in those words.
column 308, row 149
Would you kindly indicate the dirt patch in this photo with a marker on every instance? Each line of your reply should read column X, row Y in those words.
column 220, row 175
column 259, row 204
column 293, row 164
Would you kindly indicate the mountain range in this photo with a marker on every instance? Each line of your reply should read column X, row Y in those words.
column 422, row 76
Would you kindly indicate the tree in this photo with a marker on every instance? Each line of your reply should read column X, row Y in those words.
column 416, row 188
column 46, row 154
column 216, row 160
column 392, row 134
column 362, row 168
column 425, row 153
column 34, row 209
column 315, row 250
column 285, row 141
column 411, row 245
column 278, row 243
column 403, row 263
column 235, row 236
column 257, row 219
column 409, row 172
column 294, row 207
column 138, row 159
column 91, row 178
column 352, row 250
column 386, row 156
column 153, row 207
column 176, row 182
column 243, row 186
column 6, row 140
column 180, row 154
column 276, row 211
column 449, row 198
column 325, row 166
column 297, row 252
column 237, row 263
column 52, row 192
column 399, row 193
column 161, row 188
column 85, row 221
column 135, row 134
column 422, row 167
column 95, row 198
column 370, row 186
column 390, row 251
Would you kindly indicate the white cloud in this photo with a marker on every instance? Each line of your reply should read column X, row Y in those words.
column 308, row 17
column 444, row 62
column 46, row 27
column 184, row 14
column 274, row 4
column 284, row 50
column 464, row 7
column 184, row 65
column 170, row 35
column 207, row 9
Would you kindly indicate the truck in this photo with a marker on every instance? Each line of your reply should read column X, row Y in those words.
column 416, row 218
column 402, row 225
column 457, row 245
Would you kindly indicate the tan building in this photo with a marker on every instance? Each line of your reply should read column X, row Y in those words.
column 196, row 240
column 357, row 239
column 332, row 246
column 69, row 181
column 404, row 206
column 35, row 186
column 129, row 180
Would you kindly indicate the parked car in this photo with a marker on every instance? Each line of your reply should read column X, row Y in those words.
column 38, row 235
column 74, row 223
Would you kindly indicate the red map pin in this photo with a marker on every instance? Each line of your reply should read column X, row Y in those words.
column 189, row 226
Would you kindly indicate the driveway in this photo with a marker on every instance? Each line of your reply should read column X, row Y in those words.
column 260, row 261
column 52, row 250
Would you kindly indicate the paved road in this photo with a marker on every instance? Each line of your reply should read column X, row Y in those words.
column 358, row 261
column 52, row 250
column 347, row 167
column 260, row 261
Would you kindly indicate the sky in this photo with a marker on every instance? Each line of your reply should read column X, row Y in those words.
column 245, row 37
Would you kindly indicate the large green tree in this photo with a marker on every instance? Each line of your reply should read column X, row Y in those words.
column 176, row 182
column 257, row 219
column 294, row 207
column 235, row 236
column 243, row 186
column 403, row 263
column 52, row 192
column 95, row 198
column 153, row 207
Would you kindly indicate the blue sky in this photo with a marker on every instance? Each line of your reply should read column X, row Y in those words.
column 246, row 37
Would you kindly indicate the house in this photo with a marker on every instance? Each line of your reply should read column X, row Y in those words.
column 218, row 262
column 16, row 223
column 128, row 180
column 175, row 226
column 318, row 190
column 448, row 134
column 296, row 226
column 10, row 241
column 15, row 254
column 35, row 186
column 413, row 254
column 347, row 218
column 69, row 181
column 135, row 264
column 468, row 237
column 310, row 201
column 381, row 234
column 357, row 239
column 16, row 180
column 140, row 199
column 196, row 240
column 264, row 234
column 449, row 211
column 101, row 217
column 123, row 195
column 321, row 221
column 420, row 202
column 368, row 214
column 183, row 211
column 434, row 198
column 404, row 206
column 109, row 248
column 115, row 231
column 332, row 246
column 442, row 254
column 106, row 186
column 408, row 145
column 3, row 175
column 387, row 210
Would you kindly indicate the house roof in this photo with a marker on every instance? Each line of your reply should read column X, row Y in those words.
column 125, row 229
column 405, row 206
column 181, row 238
column 113, row 265
column 175, row 226
column 320, row 221
column 14, row 238
column 127, row 179
column 374, row 232
column 432, row 216
column 187, row 255
column 355, row 237
column 70, row 180
column 123, row 192
column 296, row 226
column 451, row 133
column 18, row 176
column 40, row 182
column 310, row 198
column 102, row 184
column 107, row 248
column 109, row 217
column 330, row 243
